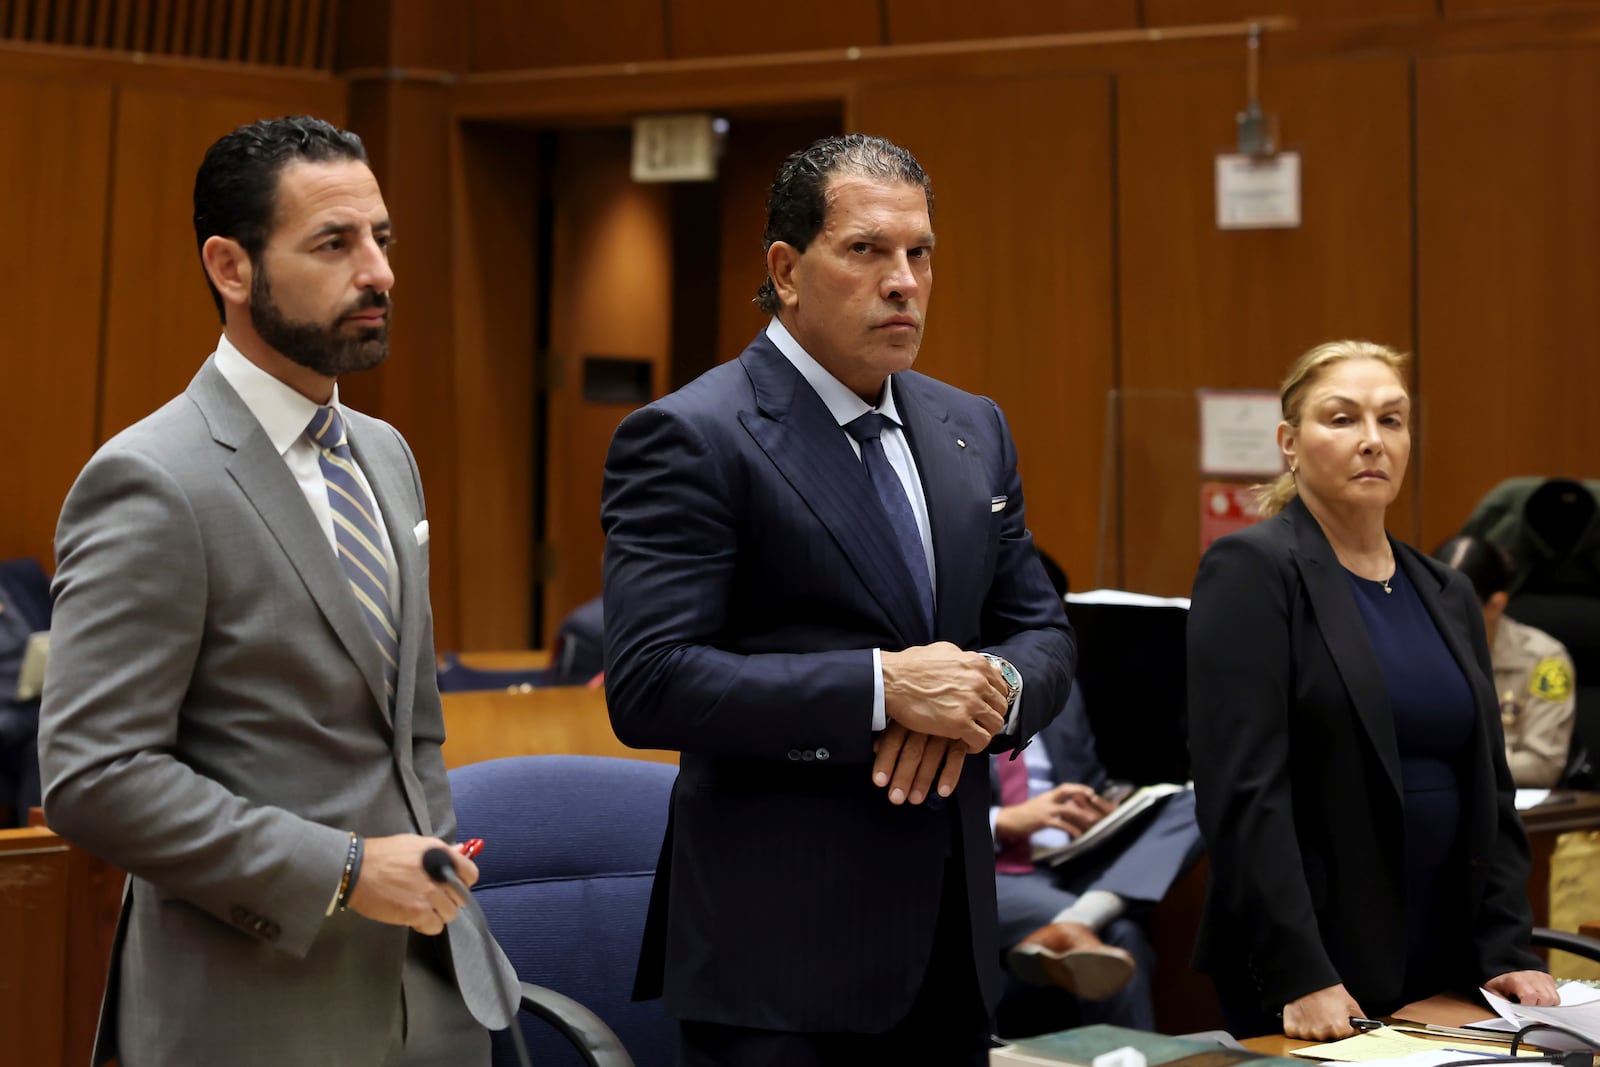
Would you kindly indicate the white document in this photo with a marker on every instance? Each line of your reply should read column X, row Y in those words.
column 1141, row 801
column 1531, row 798
column 1579, row 1011
column 1258, row 192
column 1239, row 432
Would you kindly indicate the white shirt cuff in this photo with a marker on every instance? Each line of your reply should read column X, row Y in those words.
column 880, row 718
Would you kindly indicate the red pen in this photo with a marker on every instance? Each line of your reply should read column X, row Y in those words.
column 472, row 848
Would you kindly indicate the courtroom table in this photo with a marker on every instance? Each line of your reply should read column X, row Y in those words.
column 1446, row 1009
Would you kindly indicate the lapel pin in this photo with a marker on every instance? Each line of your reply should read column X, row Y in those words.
column 960, row 443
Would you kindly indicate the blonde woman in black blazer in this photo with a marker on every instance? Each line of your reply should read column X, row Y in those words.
column 1349, row 768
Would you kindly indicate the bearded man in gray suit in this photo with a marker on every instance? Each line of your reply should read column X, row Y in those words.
column 240, row 708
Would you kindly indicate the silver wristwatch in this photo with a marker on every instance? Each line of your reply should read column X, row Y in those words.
column 1013, row 680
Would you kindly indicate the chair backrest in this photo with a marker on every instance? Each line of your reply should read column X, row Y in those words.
column 1132, row 672
column 565, row 879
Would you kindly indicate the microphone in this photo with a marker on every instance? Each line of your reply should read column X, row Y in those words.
column 440, row 867
column 436, row 861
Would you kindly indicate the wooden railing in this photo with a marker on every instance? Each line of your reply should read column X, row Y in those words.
column 489, row 725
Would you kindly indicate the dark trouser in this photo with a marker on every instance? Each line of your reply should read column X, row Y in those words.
column 947, row 1025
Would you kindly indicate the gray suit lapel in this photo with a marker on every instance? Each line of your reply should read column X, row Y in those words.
column 261, row 474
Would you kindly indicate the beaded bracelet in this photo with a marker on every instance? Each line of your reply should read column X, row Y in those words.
column 347, row 883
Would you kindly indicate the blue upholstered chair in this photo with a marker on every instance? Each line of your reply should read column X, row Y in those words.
column 570, row 852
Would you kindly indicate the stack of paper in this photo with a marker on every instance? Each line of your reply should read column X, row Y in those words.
column 1578, row 1011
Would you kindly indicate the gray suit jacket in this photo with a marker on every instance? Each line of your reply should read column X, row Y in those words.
column 214, row 723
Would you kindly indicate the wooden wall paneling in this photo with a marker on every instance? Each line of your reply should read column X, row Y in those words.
column 405, row 129
column 1022, row 304
column 610, row 295
column 1508, row 159
column 1487, row 7
column 1190, row 12
column 55, row 147
column 160, row 321
column 33, row 942
column 918, row 21
column 1201, row 307
column 494, row 229
column 515, row 35
column 733, row 27
column 755, row 148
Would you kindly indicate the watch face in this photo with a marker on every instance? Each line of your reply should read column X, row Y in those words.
column 1008, row 672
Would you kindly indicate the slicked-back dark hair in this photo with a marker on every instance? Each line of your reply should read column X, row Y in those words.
column 1483, row 562
column 236, row 187
column 797, row 206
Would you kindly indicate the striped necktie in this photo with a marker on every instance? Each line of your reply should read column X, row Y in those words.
column 359, row 541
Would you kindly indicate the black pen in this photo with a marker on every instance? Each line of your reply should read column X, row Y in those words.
column 1365, row 1025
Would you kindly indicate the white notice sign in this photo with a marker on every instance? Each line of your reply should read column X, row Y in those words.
column 1258, row 192
column 1239, row 432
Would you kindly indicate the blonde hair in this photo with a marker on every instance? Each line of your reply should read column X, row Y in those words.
column 1271, row 497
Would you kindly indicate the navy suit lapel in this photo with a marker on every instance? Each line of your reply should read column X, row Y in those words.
column 261, row 474
column 799, row 435
column 1339, row 622
column 949, row 461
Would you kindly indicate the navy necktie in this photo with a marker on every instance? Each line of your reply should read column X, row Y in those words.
column 892, row 493
column 359, row 541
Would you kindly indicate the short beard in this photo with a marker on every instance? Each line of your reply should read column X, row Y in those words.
column 315, row 346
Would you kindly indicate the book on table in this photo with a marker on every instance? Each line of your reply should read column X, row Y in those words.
column 1082, row 1044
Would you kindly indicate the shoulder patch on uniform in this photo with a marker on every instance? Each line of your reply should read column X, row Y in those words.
column 1551, row 679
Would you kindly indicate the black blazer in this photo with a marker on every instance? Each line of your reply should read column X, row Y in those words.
column 1297, row 776
column 748, row 576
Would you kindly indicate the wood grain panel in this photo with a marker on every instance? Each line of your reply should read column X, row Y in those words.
column 33, row 938
column 1190, row 12
column 755, row 149
column 404, row 127
column 55, row 142
column 731, row 27
column 160, row 322
column 1022, row 306
column 515, row 35
column 1485, row 7
column 918, row 21
column 1508, row 159
column 494, row 229
column 610, row 295
column 1205, row 308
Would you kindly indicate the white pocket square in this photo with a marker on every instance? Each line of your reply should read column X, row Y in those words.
column 997, row 503
column 420, row 532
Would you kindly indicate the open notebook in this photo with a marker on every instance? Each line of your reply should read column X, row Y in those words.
column 1138, row 804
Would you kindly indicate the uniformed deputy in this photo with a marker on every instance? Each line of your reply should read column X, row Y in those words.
column 1532, row 670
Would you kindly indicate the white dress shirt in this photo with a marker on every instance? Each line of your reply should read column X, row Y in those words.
column 285, row 414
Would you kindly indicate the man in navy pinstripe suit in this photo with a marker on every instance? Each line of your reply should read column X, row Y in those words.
column 820, row 589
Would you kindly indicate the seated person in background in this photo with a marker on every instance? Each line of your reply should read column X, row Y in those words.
column 1068, row 926
column 1532, row 672
column 579, row 650
column 20, row 617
